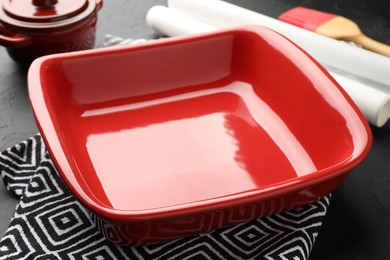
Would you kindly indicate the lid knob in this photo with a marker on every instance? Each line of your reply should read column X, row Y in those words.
column 44, row 3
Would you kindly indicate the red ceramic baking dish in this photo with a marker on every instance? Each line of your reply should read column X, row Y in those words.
column 185, row 135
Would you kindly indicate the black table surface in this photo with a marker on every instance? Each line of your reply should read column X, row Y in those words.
column 357, row 225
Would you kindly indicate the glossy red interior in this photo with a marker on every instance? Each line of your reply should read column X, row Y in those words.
column 191, row 123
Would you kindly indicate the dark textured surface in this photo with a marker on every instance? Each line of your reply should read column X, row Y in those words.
column 358, row 222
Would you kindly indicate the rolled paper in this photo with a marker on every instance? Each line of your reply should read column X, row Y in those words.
column 374, row 104
column 171, row 23
column 327, row 51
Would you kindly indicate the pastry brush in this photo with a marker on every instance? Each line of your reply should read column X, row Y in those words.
column 334, row 26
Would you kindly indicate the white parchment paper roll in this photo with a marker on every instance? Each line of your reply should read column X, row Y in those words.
column 374, row 103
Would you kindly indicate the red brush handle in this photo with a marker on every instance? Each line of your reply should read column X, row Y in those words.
column 306, row 18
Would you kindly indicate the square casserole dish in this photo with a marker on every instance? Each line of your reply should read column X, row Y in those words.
column 181, row 136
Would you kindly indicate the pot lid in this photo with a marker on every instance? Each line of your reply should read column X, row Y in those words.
column 42, row 11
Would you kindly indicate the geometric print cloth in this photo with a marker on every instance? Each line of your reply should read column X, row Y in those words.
column 49, row 223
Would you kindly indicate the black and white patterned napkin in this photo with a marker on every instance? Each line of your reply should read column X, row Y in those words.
column 49, row 223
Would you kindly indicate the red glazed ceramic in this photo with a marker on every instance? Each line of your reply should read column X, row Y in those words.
column 185, row 135
column 33, row 28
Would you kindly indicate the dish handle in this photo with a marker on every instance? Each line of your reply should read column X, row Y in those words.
column 99, row 4
column 13, row 41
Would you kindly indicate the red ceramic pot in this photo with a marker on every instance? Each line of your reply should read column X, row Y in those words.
column 33, row 28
